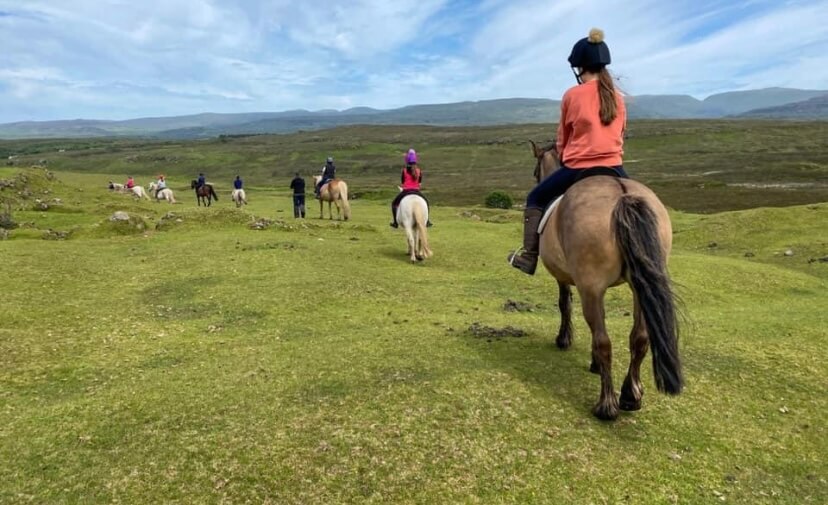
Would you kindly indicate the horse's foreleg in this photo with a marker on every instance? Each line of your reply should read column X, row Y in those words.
column 564, row 339
column 632, row 390
column 593, row 305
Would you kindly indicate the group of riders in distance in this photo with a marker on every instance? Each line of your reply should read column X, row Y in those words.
column 327, row 188
column 590, row 224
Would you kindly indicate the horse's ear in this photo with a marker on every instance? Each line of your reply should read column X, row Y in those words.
column 535, row 152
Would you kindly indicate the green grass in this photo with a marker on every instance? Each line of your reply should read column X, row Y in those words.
column 695, row 166
column 311, row 363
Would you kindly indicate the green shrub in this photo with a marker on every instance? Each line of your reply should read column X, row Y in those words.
column 6, row 220
column 499, row 200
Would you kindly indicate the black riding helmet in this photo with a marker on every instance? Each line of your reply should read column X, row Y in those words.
column 590, row 52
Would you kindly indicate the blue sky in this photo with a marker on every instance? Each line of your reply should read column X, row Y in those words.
column 118, row 59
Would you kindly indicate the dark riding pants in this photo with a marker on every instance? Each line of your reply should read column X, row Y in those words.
column 322, row 182
column 560, row 180
column 299, row 205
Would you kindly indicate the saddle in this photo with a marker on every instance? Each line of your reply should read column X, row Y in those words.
column 321, row 187
column 581, row 176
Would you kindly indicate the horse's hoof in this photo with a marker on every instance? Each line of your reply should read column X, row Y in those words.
column 594, row 368
column 628, row 401
column 420, row 258
column 629, row 405
column 563, row 342
column 605, row 412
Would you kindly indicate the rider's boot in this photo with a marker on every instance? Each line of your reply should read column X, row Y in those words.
column 526, row 260
column 393, row 223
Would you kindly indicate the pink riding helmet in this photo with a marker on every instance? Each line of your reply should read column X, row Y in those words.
column 411, row 157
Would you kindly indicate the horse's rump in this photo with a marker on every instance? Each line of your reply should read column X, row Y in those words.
column 582, row 226
column 412, row 214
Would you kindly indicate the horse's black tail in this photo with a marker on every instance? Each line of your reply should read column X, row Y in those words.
column 636, row 233
column 213, row 193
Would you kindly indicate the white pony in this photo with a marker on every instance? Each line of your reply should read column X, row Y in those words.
column 412, row 214
column 164, row 194
column 138, row 192
column 240, row 197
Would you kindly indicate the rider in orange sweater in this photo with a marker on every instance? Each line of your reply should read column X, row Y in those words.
column 590, row 135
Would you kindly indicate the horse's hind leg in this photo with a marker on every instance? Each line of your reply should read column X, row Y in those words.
column 632, row 390
column 564, row 339
column 411, row 236
column 593, row 302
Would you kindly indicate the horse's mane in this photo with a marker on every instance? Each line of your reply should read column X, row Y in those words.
column 550, row 146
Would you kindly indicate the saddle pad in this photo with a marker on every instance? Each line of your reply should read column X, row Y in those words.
column 547, row 213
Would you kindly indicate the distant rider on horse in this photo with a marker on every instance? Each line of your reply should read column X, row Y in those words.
column 201, row 181
column 160, row 184
column 237, row 184
column 590, row 137
column 410, row 178
column 328, row 174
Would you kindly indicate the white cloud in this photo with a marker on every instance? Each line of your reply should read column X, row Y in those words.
column 119, row 58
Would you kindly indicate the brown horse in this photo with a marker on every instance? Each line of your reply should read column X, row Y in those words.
column 205, row 193
column 335, row 191
column 604, row 232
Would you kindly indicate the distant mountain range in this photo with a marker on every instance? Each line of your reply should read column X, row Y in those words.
column 777, row 103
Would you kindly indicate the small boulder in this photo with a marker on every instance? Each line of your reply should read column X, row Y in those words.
column 789, row 252
column 55, row 235
column 119, row 216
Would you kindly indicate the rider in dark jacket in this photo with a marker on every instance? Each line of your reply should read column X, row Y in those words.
column 298, row 187
column 328, row 174
column 201, row 181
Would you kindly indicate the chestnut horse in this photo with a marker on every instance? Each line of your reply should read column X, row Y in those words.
column 335, row 191
column 606, row 231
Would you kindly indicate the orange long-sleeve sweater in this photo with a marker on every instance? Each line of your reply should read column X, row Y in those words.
column 583, row 142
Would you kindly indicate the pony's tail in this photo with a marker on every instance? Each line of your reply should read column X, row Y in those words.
column 343, row 195
column 636, row 233
column 422, row 231
column 213, row 193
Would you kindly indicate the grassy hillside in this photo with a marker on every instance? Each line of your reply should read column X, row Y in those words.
column 737, row 102
column 205, row 362
column 815, row 108
column 699, row 166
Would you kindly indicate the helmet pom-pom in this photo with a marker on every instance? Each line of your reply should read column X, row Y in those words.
column 596, row 36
